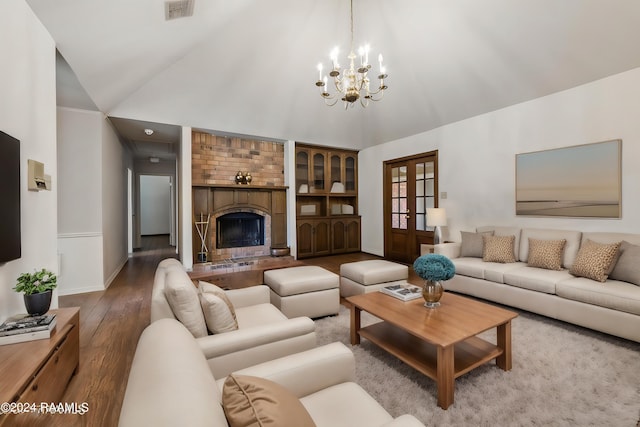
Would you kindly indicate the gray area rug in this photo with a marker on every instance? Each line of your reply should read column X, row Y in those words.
column 562, row 375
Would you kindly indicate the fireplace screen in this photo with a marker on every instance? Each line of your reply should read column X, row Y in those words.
column 239, row 229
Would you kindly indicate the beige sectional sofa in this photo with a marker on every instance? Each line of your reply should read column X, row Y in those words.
column 612, row 306
column 263, row 333
column 170, row 384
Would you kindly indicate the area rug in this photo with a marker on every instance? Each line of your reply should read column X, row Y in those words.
column 563, row 375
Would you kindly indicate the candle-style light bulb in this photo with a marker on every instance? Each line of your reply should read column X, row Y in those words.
column 380, row 62
column 320, row 71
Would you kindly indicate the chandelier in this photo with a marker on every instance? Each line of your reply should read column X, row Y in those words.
column 351, row 84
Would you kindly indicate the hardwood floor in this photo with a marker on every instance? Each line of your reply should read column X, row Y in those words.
column 111, row 322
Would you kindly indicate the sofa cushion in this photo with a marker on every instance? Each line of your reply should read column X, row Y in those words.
column 505, row 231
column 218, row 311
column 594, row 260
column 613, row 294
column 471, row 244
column 469, row 266
column 345, row 404
column 535, row 279
column 258, row 315
column 374, row 271
column 498, row 249
column 627, row 267
column 494, row 271
column 254, row 401
column 571, row 248
column 546, row 254
column 182, row 297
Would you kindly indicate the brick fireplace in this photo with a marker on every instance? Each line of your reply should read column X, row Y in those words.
column 216, row 160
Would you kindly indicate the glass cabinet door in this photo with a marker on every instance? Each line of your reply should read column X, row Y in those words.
column 336, row 169
column 302, row 172
column 318, row 171
column 350, row 173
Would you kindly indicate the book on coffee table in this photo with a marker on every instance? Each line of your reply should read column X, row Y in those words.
column 404, row 292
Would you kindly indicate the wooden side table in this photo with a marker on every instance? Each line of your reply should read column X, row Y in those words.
column 39, row 371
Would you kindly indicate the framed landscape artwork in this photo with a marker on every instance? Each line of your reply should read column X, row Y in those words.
column 579, row 181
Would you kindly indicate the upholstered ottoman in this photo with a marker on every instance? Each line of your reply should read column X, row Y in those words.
column 304, row 291
column 368, row 276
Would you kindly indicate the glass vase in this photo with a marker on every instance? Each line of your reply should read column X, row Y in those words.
column 432, row 292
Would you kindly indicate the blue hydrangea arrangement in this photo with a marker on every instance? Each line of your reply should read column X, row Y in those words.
column 434, row 267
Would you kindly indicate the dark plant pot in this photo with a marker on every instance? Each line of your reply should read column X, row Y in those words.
column 37, row 304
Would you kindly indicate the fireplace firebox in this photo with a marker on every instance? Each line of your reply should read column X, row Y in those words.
column 239, row 229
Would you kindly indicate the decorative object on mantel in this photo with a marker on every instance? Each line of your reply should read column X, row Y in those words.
column 37, row 288
column 353, row 83
column 243, row 178
column 433, row 268
column 436, row 217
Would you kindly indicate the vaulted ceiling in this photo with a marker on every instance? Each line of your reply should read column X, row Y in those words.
column 249, row 66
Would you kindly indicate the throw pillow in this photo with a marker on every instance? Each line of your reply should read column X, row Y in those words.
column 219, row 314
column 627, row 268
column 594, row 260
column 253, row 401
column 472, row 244
column 498, row 249
column 546, row 253
column 183, row 299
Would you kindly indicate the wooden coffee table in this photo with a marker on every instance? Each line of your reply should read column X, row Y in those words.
column 441, row 343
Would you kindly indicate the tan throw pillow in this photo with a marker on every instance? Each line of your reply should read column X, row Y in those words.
column 498, row 249
column 627, row 267
column 594, row 260
column 546, row 253
column 253, row 401
column 183, row 299
column 472, row 244
column 219, row 314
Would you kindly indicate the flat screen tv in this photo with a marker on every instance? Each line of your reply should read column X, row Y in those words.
column 10, row 241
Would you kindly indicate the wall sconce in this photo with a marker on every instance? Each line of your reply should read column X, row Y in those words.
column 243, row 178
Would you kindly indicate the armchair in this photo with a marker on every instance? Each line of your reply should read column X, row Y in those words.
column 264, row 333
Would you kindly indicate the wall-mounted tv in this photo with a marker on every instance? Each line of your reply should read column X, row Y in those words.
column 10, row 240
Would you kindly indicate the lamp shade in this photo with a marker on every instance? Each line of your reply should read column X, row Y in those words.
column 436, row 217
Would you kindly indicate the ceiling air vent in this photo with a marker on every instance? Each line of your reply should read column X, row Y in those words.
column 178, row 9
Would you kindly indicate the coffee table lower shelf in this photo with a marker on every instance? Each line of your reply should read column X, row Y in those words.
column 423, row 356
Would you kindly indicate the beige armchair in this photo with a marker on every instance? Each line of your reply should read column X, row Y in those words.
column 170, row 384
column 263, row 333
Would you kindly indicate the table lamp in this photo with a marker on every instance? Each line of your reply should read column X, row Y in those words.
column 436, row 217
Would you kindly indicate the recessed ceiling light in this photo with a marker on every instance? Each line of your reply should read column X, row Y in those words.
column 154, row 159
column 148, row 131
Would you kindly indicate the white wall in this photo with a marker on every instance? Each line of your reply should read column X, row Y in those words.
column 28, row 113
column 155, row 205
column 115, row 161
column 183, row 184
column 92, row 206
column 477, row 158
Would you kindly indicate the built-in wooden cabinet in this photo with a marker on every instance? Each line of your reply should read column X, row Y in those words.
column 326, row 200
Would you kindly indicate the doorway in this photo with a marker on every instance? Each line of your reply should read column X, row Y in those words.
column 410, row 187
column 156, row 210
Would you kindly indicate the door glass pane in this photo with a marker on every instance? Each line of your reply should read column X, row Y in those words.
column 350, row 171
column 395, row 206
column 419, row 171
column 430, row 187
column 395, row 221
column 399, row 197
column 420, row 223
column 403, row 205
column 420, row 205
column 403, row 189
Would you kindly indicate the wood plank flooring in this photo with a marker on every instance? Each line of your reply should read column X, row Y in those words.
column 111, row 322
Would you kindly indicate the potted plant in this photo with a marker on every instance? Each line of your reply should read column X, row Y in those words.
column 433, row 268
column 37, row 288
